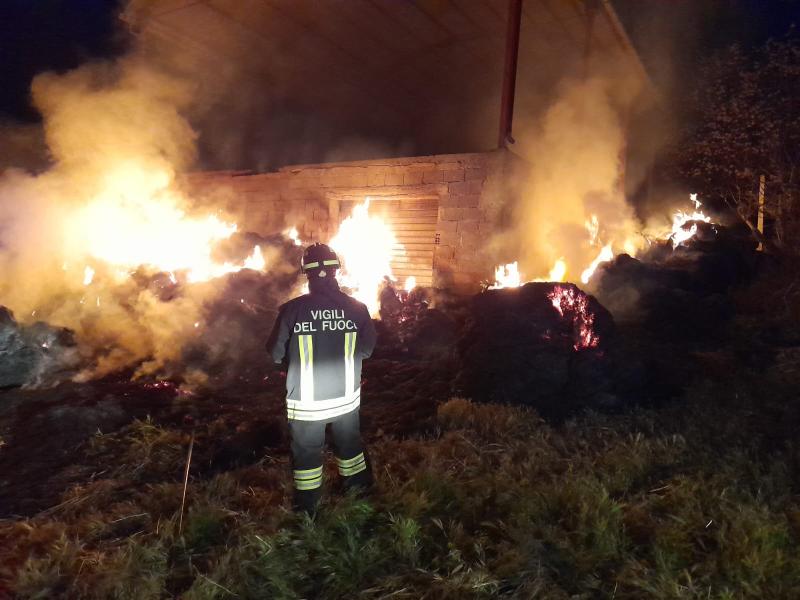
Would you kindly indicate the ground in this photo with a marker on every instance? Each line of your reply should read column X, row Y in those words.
column 694, row 496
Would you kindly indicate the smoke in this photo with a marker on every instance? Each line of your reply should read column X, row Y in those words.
column 86, row 244
column 571, row 202
column 264, row 98
column 22, row 144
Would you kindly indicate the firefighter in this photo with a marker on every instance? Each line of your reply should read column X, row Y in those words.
column 324, row 335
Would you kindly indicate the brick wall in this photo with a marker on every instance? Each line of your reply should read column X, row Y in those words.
column 472, row 190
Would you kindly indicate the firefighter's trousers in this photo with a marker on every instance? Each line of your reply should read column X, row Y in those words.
column 307, row 443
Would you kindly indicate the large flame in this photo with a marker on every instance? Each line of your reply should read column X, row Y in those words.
column 93, row 243
column 137, row 221
column 365, row 245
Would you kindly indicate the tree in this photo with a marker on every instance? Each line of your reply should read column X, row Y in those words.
column 745, row 115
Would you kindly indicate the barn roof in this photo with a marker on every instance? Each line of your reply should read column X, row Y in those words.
column 430, row 70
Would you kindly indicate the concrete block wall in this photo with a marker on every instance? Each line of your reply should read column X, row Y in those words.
column 471, row 190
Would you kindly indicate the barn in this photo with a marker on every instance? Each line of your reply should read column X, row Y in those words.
column 429, row 108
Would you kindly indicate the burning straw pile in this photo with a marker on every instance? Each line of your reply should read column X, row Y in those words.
column 233, row 314
column 542, row 344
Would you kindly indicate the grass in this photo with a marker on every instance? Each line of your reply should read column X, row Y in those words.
column 695, row 500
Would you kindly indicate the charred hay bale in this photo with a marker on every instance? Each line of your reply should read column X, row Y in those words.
column 426, row 335
column 542, row 345
column 677, row 299
column 17, row 360
column 715, row 260
column 680, row 316
column 720, row 265
column 36, row 354
column 625, row 270
column 408, row 328
column 231, row 337
column 431, row 335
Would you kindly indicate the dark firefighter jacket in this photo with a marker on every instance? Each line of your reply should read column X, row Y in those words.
column 324, row 334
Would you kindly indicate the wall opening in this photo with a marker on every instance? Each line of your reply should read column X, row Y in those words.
column 414, row 222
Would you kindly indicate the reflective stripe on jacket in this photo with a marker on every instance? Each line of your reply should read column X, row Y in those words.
column 324, row 335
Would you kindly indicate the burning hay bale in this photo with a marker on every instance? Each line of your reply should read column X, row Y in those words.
column 542, row 344
column 679, row 294
column 34, row 354
column 660, row 291
column 226, row 322
column 229, row 345
column 409, row 328
column 230, row 341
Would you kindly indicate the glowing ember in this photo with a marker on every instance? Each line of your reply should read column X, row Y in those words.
column 606, row 254
column 364, row 244
column 573, row 304
column 506, row 276
column 680, row 233
column 411, row 283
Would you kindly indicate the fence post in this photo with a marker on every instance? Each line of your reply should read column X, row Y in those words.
column 761, row 203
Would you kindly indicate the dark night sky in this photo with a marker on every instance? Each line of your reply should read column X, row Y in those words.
column 672, row 36
column 38, row 35
column 41, row 35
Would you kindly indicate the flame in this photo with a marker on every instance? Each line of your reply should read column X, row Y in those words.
column 606, row 254
column 255, row 262
column 506, row 276
column 293, row 235
column 557, row 272
column 574, row 304
column 630, row 245
column 411, row 283
column 509, row 276
column 679, row 233
column 365, row 246
column 136, row 220
column 593, row 227
column 88, row 275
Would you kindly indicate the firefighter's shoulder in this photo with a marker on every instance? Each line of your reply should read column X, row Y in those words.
column 354, row 303
column 293, row 304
